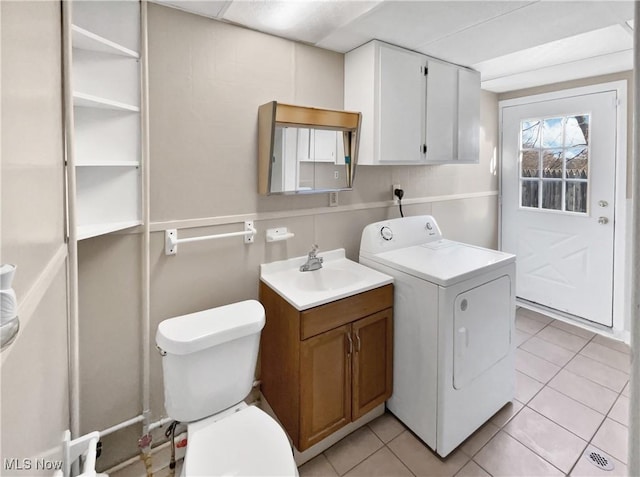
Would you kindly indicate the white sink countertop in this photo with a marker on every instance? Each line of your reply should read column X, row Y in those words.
column 338, row 278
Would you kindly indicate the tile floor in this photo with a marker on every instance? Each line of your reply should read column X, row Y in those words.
column 571, row 393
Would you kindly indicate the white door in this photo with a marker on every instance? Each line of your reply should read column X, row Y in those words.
column 558, row 190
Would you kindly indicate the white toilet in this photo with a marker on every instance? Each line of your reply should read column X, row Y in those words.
column 209, row 360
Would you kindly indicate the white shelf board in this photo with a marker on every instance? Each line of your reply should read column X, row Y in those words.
column 86, row 40
column 93, row 230
column 90, row 101
column 108, row 164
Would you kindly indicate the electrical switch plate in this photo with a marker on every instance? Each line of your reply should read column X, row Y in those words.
column 333, row 199
column 393, row 195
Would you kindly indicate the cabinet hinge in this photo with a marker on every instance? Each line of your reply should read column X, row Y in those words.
column 425, row 70
column 423, row 148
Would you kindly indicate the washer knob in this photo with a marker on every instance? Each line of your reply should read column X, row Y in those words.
column 386, row 233
column 429, row 226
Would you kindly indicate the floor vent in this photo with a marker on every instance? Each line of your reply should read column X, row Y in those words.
column 599, row 459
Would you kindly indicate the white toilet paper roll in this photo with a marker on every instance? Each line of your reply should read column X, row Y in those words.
column 8, row 305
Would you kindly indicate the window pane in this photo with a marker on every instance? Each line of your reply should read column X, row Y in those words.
column 530, row 134
column 576, row 197
column 577, row 131
column 552, row 163
column 552, row 195
column 577, row 162
column 530, row 164
column 552, row 132
column 530, row 194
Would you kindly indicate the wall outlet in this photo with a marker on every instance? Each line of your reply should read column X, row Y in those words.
column 333, row 199
column 393, row 195
column 336, row 175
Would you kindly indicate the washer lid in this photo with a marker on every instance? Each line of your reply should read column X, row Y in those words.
column 248, row 442
column 443, row 262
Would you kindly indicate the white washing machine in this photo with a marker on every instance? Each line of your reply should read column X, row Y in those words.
column 454, row 313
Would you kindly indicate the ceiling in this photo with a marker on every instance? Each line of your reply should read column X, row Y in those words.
column 514, row 44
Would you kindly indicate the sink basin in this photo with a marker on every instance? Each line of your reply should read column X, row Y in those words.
column 326, row 279
column 338, row 278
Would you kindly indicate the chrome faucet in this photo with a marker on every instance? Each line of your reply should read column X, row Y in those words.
column 313, row 261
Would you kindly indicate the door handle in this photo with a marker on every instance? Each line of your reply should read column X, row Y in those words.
column 350, row 344
column 603, row 220
column 357, row 342
column 603, row 203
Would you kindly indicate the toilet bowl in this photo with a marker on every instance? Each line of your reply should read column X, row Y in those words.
column 208, row 362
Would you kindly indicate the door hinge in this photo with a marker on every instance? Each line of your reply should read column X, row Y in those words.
column 425, row 70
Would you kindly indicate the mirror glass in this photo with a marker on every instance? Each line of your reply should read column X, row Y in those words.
column 307, row 160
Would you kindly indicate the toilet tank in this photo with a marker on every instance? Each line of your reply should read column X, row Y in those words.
column 209, row 358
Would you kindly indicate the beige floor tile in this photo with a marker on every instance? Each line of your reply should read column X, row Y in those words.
column 535, row 367
column 505, row 456
column 479, row 438
column 534, row 315
column 598, row 372
column 505, row 414
column 584, row 468
column 528, row 325
column 386, row 427
column 422, row 461
column 521, row 337
column 563, row 338
column 620, row 411
column 471, row 469
column 526, row 387
column 383, row 464
column 612, row 437
column 546, row 438
column 353, row 449
column 548, row 351
column 318, row 466
column 573, row 329
column 608, row 356
column 584, row 390
column 617, row 345
column 569, row 413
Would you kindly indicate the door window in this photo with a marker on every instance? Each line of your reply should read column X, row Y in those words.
column 554, row 163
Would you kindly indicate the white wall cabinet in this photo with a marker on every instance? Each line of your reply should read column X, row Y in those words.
column 415, row 109
column 105, row 147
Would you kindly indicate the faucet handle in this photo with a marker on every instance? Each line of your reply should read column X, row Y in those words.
column 314, row 249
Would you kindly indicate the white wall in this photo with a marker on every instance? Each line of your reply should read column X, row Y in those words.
column 34, row 393
column 207, row 80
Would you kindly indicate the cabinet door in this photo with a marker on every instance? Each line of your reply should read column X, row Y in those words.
column 325, row 385
column 401, row 111
column 442, row 124
column 468, row 116
column 372, row 362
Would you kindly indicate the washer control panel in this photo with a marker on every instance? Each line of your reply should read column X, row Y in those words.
column 399, row 233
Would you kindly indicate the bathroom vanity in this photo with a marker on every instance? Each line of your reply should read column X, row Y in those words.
column 327, row 346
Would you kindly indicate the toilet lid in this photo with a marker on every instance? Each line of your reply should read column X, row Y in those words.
column 248, row 442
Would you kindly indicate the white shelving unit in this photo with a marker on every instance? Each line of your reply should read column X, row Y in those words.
column 105, row 74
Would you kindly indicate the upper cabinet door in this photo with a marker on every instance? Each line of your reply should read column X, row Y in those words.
column 442, row 126
column 401, row 111
column 468, row 116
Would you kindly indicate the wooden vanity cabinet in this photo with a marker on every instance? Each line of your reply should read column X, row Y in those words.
column 325, row 367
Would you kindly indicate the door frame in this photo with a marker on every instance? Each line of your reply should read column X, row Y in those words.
column 622, row 228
